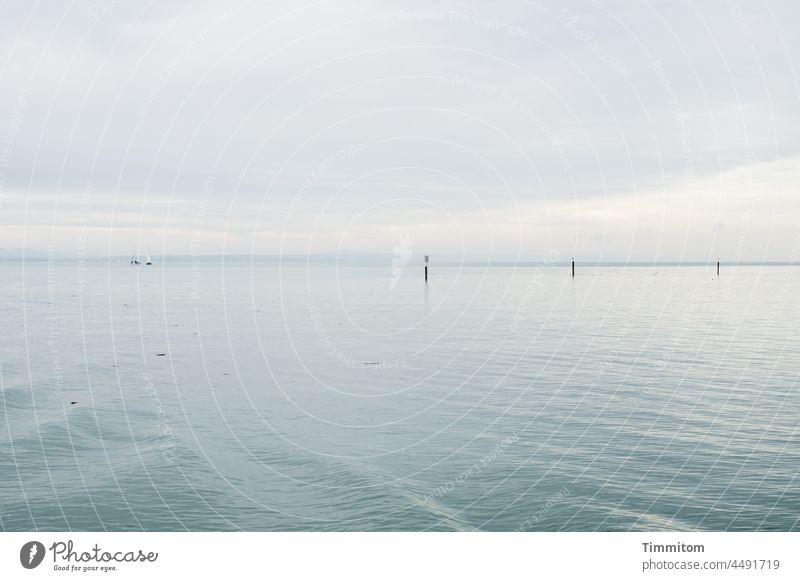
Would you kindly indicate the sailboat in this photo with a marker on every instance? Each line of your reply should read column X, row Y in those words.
column 148, row 261
column 134, row 258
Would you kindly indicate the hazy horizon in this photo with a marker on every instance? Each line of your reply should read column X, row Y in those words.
column 382, row 259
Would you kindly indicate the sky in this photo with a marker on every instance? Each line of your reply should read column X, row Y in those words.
column 515, row 130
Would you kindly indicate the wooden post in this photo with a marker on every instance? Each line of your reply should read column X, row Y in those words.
column 427, row 258
column 573, row 267
column 717, row 266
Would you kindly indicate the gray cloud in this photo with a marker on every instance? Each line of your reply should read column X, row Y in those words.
column 348, row 125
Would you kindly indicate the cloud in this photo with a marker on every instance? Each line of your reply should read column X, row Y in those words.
column 582, row 118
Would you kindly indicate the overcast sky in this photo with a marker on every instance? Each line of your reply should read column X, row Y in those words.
column 609, row 130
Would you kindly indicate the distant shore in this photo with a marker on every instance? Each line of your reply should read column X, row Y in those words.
column 381, row 260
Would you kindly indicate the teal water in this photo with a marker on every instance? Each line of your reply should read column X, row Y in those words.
column 349, row 397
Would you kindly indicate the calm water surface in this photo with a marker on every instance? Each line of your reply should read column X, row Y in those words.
column 324, row 397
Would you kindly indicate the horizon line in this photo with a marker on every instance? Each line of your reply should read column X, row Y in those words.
column 37, row 256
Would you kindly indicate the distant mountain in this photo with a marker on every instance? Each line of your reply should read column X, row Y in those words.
column 30, row 254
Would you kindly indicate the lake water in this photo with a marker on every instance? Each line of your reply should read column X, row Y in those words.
column 219, row 396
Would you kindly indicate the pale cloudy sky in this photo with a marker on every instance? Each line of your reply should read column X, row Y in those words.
column 610, row 130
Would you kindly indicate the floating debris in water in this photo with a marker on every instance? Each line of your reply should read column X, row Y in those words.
column 73, row 402
column 160, row 354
